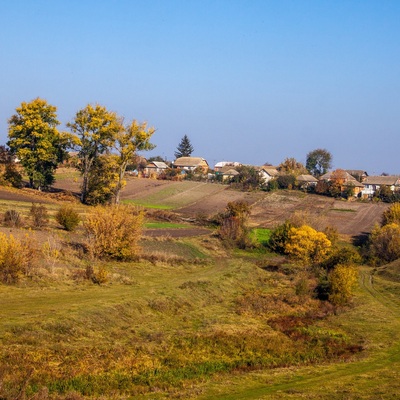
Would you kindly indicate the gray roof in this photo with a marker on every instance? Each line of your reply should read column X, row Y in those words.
column 271, row 171
column 307, row 178
column 158, row 164
column 231, row 172
column 356, row 172
column 382, row 180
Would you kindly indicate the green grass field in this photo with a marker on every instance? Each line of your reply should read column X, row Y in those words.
column 191, row 318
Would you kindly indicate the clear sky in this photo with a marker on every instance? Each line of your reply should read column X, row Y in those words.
column 252, row 81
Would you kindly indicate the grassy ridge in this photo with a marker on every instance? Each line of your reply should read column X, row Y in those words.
column 164, row 326
column 375, row 320
column 191, row 318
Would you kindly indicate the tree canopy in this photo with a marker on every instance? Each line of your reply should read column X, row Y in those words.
column 318, row 162
column 307, row 245
column 185, row 148
column 292, row 166
column 132, row 138
column 35, row 140
column 95, row 128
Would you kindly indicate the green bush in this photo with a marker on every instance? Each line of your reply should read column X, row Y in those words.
column 67, row 217
column 346, row 255
column 279, row 237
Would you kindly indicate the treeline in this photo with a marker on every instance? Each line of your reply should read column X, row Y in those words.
column 104, row 142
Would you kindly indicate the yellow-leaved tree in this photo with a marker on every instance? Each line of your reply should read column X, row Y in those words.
column 307, row 245
column 385, row 243
column 130, row 139
column 391, row 215
column 343, row 280
column 36, row 141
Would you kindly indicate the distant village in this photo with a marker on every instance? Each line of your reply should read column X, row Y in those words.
column 337, row 183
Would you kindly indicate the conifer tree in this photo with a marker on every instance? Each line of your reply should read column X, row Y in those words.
column 184, row 149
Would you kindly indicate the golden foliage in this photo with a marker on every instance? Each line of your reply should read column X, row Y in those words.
column 391, row 215
column 342, row 279
column 15, row 258
column 114, row 232
column 385, row 242
column 307, row 245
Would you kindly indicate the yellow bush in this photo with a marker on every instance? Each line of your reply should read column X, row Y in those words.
column 114, row 232
column 15, row 258
column 385, row 243
column 307, row 245
column 391, row 215
column 342, row 279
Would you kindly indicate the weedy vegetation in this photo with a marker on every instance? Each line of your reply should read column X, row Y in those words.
column 99, row 310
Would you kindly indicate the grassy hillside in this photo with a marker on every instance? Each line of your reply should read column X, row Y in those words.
column 189, row 318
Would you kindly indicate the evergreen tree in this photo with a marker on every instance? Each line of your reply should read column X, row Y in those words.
column 184, row 149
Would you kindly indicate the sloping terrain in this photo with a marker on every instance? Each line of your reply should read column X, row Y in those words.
column 191, row 199
column 348, row 217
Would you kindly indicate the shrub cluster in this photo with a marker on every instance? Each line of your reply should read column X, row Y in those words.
column 384, row 241
column 114, row 232
column 39, row 215
column 16, row 257
column 233, row 227
column 12, row 219
column 67, row 217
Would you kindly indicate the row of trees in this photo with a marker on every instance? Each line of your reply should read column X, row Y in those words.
column 104, row 141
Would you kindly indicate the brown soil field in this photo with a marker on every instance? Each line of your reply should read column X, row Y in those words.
column 351, row 218
column 192, row 199
column 26, row 195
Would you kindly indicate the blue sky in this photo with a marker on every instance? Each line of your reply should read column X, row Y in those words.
column 250, row 81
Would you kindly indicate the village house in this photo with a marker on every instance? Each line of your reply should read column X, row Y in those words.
column 357, row 174
column 306, row 181
column 374, row 183
column 226, row 173
column 267, row 173
column 346, row 181
column 222, row 164
column 155, row 168
column 191, row 164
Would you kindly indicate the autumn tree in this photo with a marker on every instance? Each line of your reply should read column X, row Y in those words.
column 102, row 180
column 292, row 167
column 385, row 243
column 391, row 215
column 342, row 280
column 185, row 148
column 128, row 140
column 248, row 178
column 95, row 128
column 318, row 162
column 10, row 174
column 307, row 245
column 35, row 140
column 233, row 226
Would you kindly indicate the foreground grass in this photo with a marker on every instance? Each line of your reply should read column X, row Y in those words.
column 375, row 320
column 157, row 328
column 191, row 319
